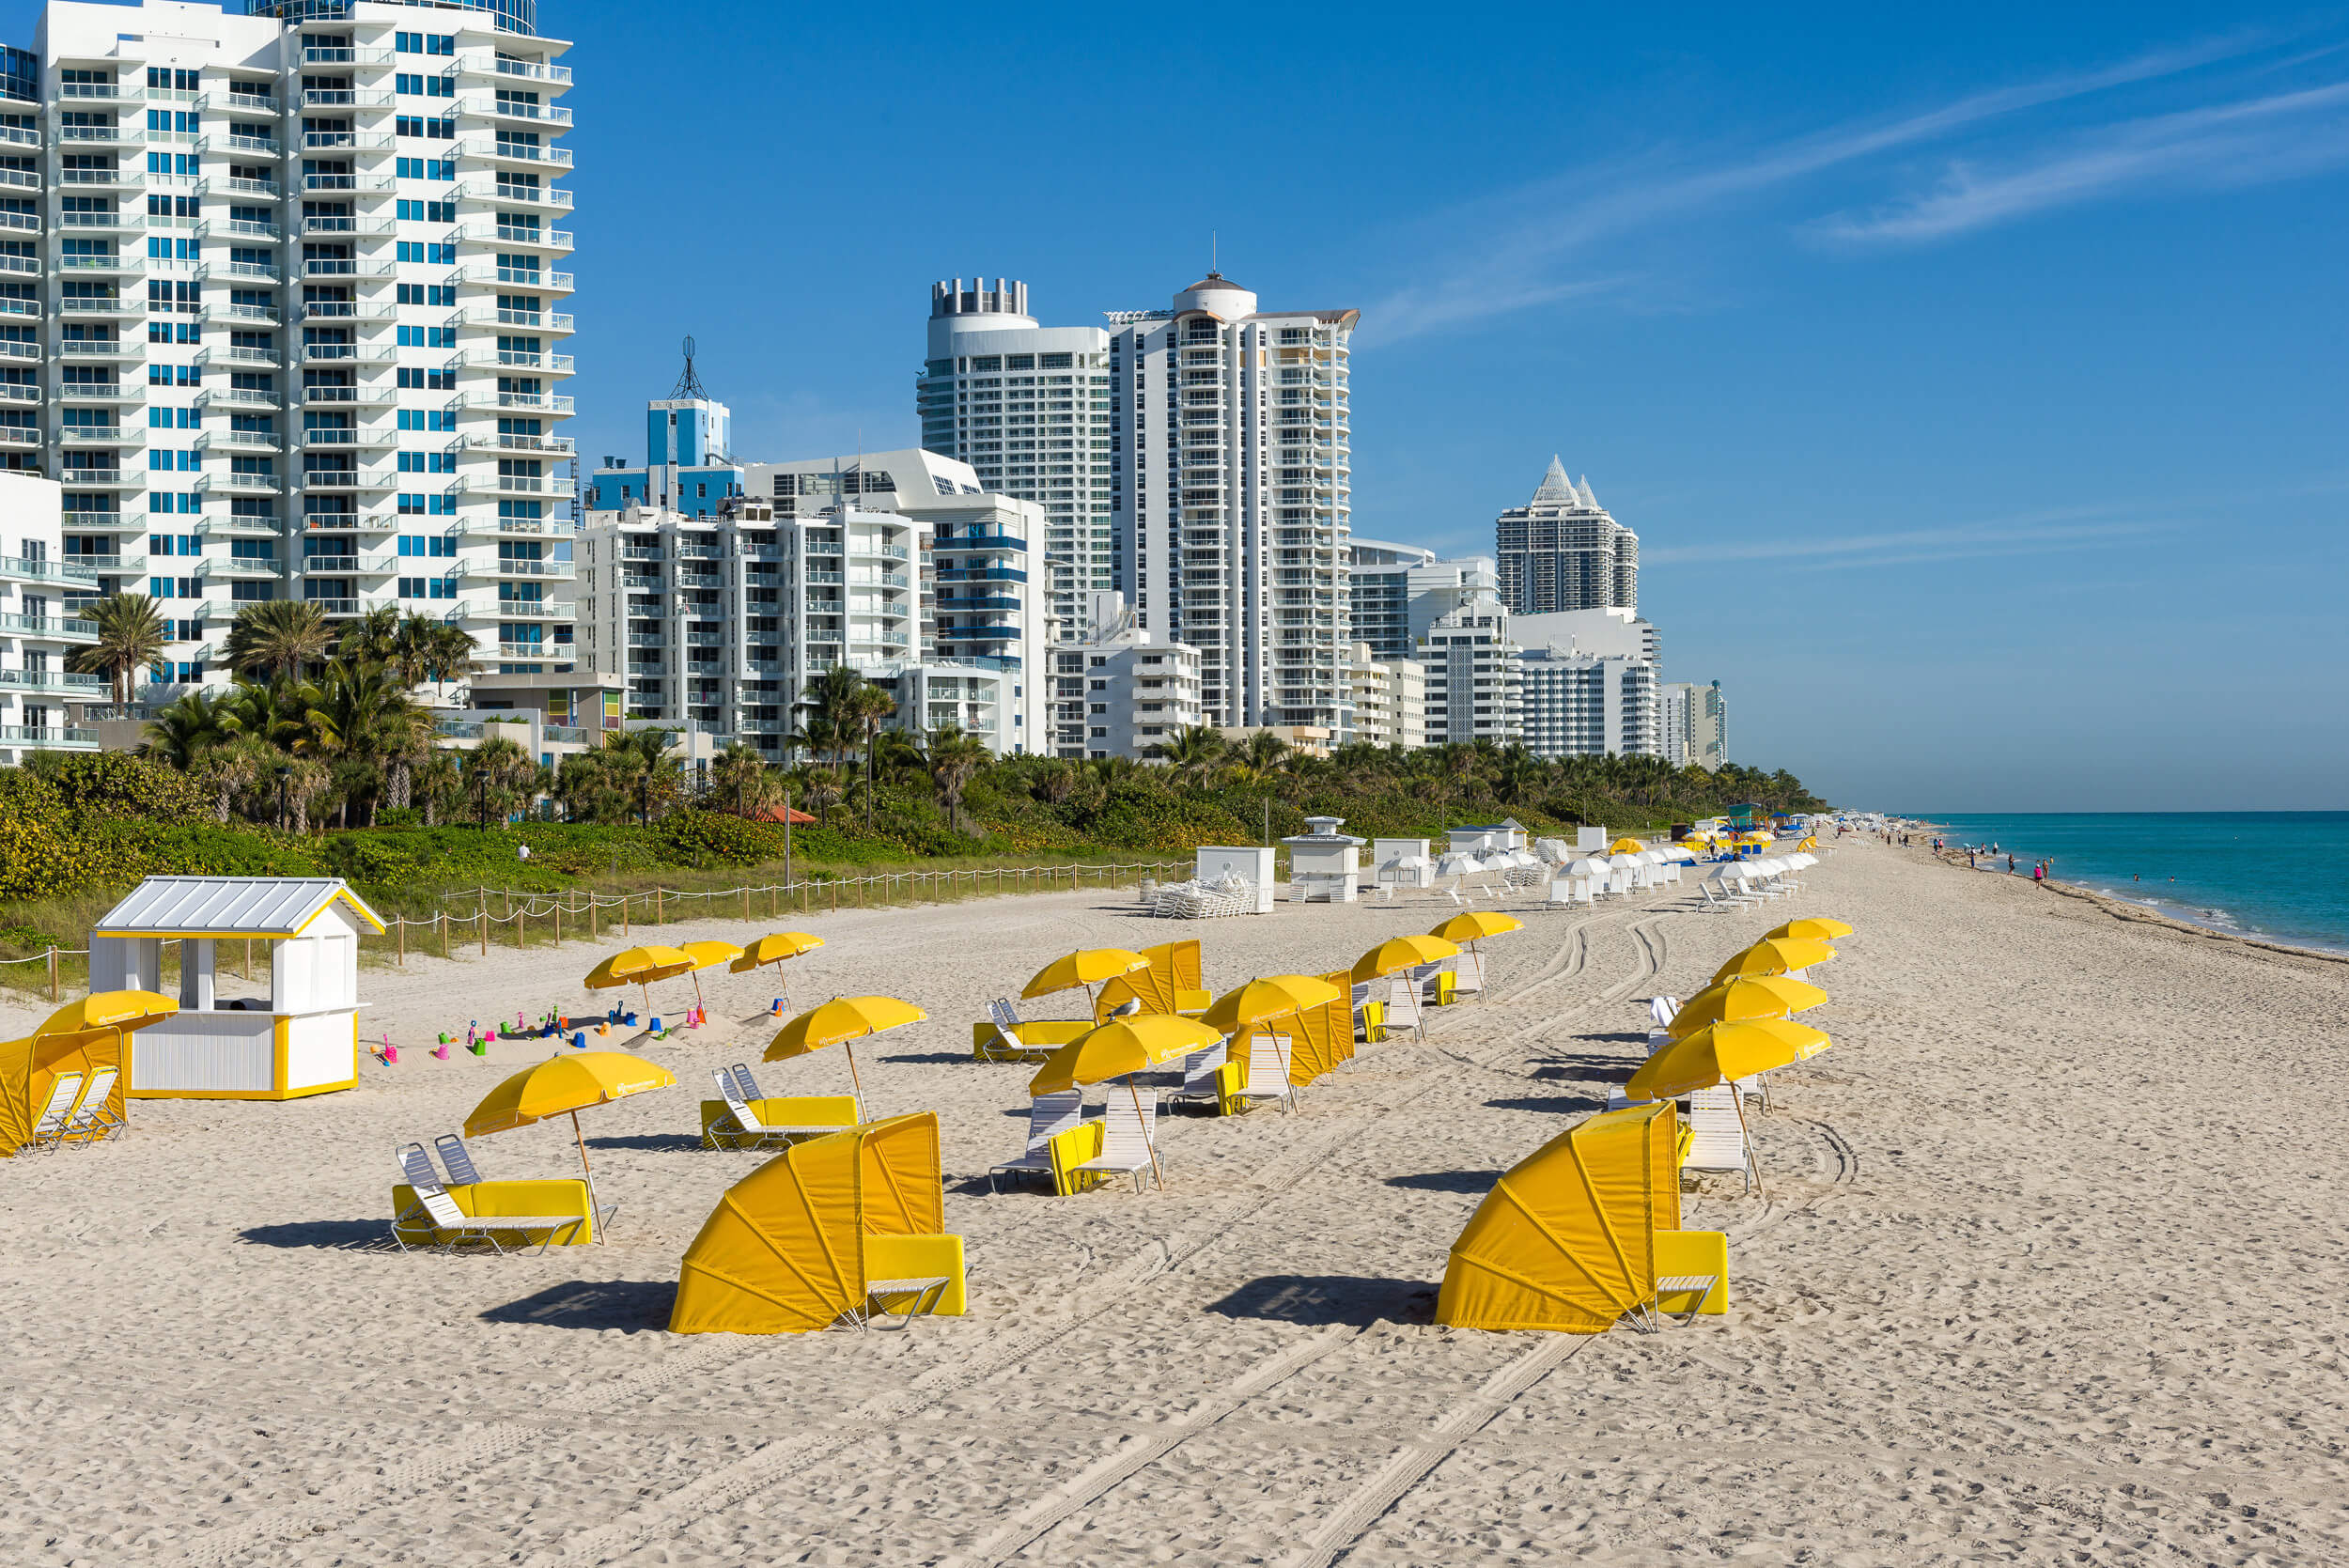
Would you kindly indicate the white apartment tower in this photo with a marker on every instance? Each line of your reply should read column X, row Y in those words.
column 1028, row 408
column 1235, row 497
column 287, row 285
column 1561, row 551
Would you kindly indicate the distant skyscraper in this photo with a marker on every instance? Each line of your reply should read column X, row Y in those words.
column 1562, row 550
column 1236, row 497
column 1028, row 408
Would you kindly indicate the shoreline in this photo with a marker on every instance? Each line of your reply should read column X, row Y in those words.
column 1987, row 1306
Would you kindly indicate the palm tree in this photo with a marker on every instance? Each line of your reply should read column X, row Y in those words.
column 280, row 635
column 818, row 736
column 828, row 699
column 360, row 715
column 234, row 770
column 303, row 780
column 132, row 632
column 498, row 777
column 187, row 727
column 438, row 785
column 953, row 758
column 1267, row 753
column 445, row 651
column 640, row 768
column 868, row 707
column 820, row 787
column 373, row 638
column 735, row 779
column 1193, row 751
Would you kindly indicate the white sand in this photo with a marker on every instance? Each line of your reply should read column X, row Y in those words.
column 2049, row 1272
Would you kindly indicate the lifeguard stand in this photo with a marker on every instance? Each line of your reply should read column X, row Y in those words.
column 302, row 1040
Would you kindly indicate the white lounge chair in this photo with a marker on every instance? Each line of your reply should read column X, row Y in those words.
column 1718, row 1134
column 1269, row 1059
column 435, row 1210
column 62, row 1091
column 1128, row 1136
column 1199, row 1070
column 91, row 1122
column 456, row 1159
column 740, row 1127
column 1468, row 973
column 1403, row 1004
column 1048, row 1116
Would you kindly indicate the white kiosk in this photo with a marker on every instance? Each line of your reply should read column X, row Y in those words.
column 1484, row 838
column 1402, row 862
column 1322, row 867
column 1250, row 863
column 304, row 1040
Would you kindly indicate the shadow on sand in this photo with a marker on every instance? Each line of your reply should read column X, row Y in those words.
column 1447, row 1181
column 636, row 1306
column 341, row 1236
column 1322, row 1299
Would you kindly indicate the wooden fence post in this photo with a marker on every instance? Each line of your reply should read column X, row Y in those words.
column 658, row 900
column 594, row 934
column 248, row 958
column 509, row 902
column 52, row 971
column 485, row 930
column 444, row 933
column 521, row 924
column 558, row 920
column 746, row 903
column 399, row 926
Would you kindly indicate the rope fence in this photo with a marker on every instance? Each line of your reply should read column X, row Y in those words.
column 589, row 913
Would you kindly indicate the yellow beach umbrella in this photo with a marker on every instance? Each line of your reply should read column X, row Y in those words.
column 1816, row 929
column 1723, row 1053
column 774, row 948
column 1121, row 1047
column 1775, row 955
column 640, row 967
column 1626, row 846
column 1083, row 970
column 707, row 955
column 567, row 1084
column 108, row 1012
column 1265, row 997
column 1471, row 924
column 1397, row 954
column 1769, row 995
column 839, row 1022
column 1755, row 837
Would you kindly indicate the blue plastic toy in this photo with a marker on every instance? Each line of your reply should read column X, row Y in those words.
column 579, row 1041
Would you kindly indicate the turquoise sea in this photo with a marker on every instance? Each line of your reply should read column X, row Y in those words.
column 2255, row 874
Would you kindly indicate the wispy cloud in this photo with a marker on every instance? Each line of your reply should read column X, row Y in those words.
column 1534, row 242
column 2031, row 534
column 2279, row 136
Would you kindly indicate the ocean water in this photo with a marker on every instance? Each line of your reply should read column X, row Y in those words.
column 2271, row 875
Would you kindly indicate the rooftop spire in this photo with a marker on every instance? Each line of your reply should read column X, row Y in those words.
column 1555, row 485
column 688, row 384
column 1588, row 499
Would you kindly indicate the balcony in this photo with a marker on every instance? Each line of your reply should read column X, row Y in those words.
column 349, row 224
column 235, row 398
column 344, row 396
column 348, row 310
column 16, row 569
column 236, row 228
column 236, row 185
column 236, row 440
column 524, row 608
column 348, row 479
column 109, row 306
column 515, row 152
column 502, row 234
column 92, row 348
column 241, row 569
column 238, row 528
column 240, row 484
column 237, row 102
column 346, row 98
column 359, row 565
column 233, row 356
column 346, row 438
column 521, row 359
column 86, row 223
column 84, row 266
column 515, row 277
column 525, row 113
column 263, row 271
column 538, row 402
column 563, row 571
column 104, row 523
column 102, row 479
column 348, row 353
column 476, row 63
column 50, row 628
column 18, row 438
column 352, row 523
column 264, row 315
column 504, row 194
column 346, row 268
column 60, row 737
column 346, row 56
column 101, row 135
column 19, row 392
column 99, row 435
column 345, row 141
column 560, row 446
column 336, row 184
column 251, row 146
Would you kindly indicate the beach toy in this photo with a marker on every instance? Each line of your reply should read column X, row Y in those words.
column 388, row 1055
column 579, row 1041
column 441, row 1050
column 777, row 1009
column 630, row 1019
column 657, row 1029
column 444, row 1039
column 478, row 1047
column 603, row 1029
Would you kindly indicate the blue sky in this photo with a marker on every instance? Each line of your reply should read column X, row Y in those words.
column 1974, row 380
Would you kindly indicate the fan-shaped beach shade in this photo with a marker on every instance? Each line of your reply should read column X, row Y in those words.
column 1471, row 924
column 83, row 1037
column 1119, row 1047
column 108, row 1011
column 1760, row 996
column 1397, row 954
column 1566, row 1240
column 566, row 1085
column 784, row 1251
column 1816, row 929
column 839, row 1022
column 640, row 967
column 1626, row 846
column 1266, row 997
column 1723, row 1053
column 774, row 948
column 1775, row 955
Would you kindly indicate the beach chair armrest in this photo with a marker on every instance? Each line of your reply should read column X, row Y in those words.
column 1693, row 1273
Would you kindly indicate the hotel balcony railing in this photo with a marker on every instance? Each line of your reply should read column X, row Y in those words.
column 505, row 108
column 63, row 735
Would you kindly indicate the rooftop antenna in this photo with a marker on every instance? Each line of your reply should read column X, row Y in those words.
column 688, row 384
column 1214, row 257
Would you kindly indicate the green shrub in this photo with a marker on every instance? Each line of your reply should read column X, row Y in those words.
column 118, row 783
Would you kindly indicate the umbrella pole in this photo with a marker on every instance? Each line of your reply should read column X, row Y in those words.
column 1149, row 1140
column 698, row 999
column 594, row 1211
column 854, row 1081
column 1737, row 1099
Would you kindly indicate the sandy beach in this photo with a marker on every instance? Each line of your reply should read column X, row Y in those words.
column 2049, row 1271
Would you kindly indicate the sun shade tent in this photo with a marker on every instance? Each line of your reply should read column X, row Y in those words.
column 304, row 1040
column 1173, row 983
column 1577, row 1233
column 792, row 1247
column 81, row 1037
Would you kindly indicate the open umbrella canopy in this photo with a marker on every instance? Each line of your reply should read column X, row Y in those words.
column 1772, row 996
column 1775, row 955
column 1723, row 1053
column 1397, row 954
column 1756, row 837
column 1623, row 863
column 774, row 948
column 565, row 1083
column 1458, row 866
column 1470, row 924
column 107, row 1012
column 638, row 966
column 1083, row 968
column 1122, row 1045
column 1818, row 929
column 1589, row 866
column 1275, row 996
column 1626, row 846
column 841, row 1019
column 709, row 954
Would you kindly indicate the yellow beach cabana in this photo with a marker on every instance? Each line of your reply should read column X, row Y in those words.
column 302, row 1039
column 849, row 1226
column 1175, row 983
column 88, row 1038
column 1583, row 1231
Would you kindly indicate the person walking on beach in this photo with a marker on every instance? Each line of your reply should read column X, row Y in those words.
column 2038, row 874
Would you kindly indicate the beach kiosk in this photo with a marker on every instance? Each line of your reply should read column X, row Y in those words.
column 1403, row 861
column 302, row 1039
column 1322, row 862
column 1484, row 838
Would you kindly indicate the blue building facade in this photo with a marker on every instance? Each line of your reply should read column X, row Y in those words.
column 687, row 464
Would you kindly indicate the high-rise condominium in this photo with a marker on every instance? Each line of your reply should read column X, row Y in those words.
column 1028, row 408
column 1560, row 551
column 286, row 284
column 1236, row 497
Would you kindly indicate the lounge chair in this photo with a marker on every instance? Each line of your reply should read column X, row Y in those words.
column 1403, row 1004
column 1719, row 1142
column 439, row 1214
column 1049, row 1115
column 62, row 1091
column 1269, row 1058
column 1468, row 973
column 1199, row 1070
column 456, row 1159
column 1126, row 1135
column 742, row 1128
column 91, row 1122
